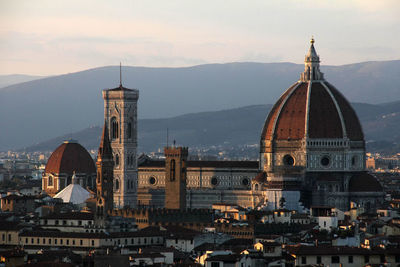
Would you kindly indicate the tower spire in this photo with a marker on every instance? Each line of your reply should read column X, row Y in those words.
column 104, row 179
column 311, row 62
column 120, row 74
column 105, row 151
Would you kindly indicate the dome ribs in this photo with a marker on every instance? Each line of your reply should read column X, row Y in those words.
column 70, row 157
column 324, row 120
column 291, row 121
column 353, row 126
column 270, row 121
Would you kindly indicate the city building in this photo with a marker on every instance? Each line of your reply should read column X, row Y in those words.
column 175, row 182
column 312, row 153
column 68, row 159
column 207, row 183
column 120, row 114
column 312, row 148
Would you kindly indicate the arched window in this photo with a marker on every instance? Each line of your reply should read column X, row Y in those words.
column 172, row 171
column 116, row 184
column 129, row 130
column 256, row 187
column 114, row 128
column 50, row 181
column 116, row 159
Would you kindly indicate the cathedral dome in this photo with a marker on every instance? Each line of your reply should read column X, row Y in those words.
column 70, row 157
column 312, row 108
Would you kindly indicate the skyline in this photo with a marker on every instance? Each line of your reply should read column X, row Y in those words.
column 48, row 38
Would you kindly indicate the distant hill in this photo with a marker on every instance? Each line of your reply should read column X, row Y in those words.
column 38, row 110
column 7, row 80
column 238, row 126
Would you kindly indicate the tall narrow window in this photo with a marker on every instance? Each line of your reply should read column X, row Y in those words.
column 129, row 130
column 50, row 181
column 114, row 128
column 172, row 170
column 116, row 159
column 116, row 184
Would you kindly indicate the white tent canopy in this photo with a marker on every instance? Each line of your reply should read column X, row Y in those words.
column 73, row 193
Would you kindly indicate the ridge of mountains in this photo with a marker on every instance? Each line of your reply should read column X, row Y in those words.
column 35, row 111
column 11, row 79
column 236, row 127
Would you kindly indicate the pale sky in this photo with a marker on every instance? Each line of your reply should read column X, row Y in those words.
column 47, row 37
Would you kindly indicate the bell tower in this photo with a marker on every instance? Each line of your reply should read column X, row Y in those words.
column 120, row 113
column 104, row 179
column 175, row 177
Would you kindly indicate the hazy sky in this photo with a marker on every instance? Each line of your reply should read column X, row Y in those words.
column 45, row 37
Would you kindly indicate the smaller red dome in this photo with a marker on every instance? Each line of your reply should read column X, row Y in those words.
column 69, row 157
column 364, row 182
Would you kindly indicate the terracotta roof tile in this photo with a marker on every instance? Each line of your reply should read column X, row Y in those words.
column 70, row 157
column 353, row 126
column 291, row 122
column 287, row 119
column 324, row 120
column 269, row 122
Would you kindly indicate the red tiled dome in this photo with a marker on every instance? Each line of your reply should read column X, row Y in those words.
column 364, row 182
column 326, row 109
column 70, row 157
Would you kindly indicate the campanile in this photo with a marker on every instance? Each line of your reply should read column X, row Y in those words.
column 175, row 177
column 120, row 114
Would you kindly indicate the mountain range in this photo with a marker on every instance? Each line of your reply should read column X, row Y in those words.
column 11, row 79
column 35, row 111
column 237, row 127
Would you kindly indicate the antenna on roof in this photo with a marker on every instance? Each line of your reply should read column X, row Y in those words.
column 167, row 137
column 120, row 74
